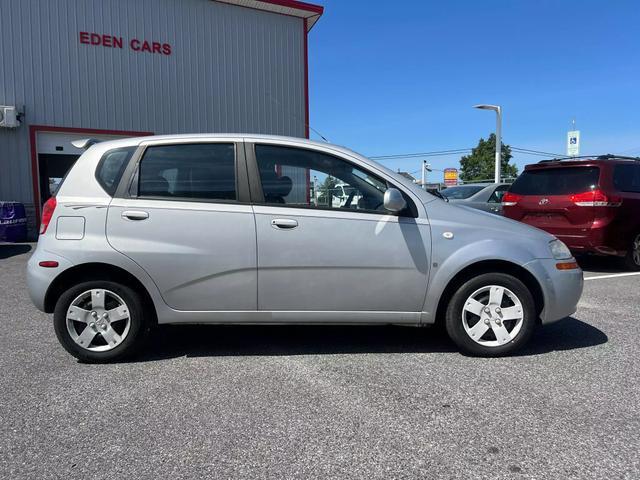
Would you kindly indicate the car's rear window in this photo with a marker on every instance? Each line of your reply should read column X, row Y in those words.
column 461, row 192
column 111, row 167
column 556, row 181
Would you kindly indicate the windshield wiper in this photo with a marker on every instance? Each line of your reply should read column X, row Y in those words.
column 439, row 195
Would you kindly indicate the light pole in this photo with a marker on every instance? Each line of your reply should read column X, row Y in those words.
column 498, row 110
column 426, row 167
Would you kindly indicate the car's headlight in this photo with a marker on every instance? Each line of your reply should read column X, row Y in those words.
column 559, row 250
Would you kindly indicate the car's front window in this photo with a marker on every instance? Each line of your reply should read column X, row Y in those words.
column 307, row 178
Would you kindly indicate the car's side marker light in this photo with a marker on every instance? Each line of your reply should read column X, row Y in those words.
column 567, row 266
column 48, row 264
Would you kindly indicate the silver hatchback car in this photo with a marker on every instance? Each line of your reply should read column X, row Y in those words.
column 246, row 229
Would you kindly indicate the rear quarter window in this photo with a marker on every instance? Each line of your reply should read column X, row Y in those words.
column 556, row 181
column 111, row 167
column 626, row 178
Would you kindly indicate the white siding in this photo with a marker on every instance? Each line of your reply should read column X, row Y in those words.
column 232, row 69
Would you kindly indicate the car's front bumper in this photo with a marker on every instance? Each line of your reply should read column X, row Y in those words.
column 561, row 289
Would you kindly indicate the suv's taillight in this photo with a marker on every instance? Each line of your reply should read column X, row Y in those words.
column 510, row 199
column 47, row 213
column 595, row 198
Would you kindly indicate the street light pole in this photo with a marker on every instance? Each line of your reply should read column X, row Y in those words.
column 426, row 167
column 498, row 165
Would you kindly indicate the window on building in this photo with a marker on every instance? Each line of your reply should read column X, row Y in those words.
column 626, row 178
column 305, row 178
column 192, row 171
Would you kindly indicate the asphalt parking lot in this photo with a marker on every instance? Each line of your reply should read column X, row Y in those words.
column 325, row 402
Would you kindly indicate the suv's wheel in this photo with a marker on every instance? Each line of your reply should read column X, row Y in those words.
column 100, row 321
column 632, row 260
column 492, row 314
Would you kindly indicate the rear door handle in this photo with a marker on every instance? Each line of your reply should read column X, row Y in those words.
column 135, row 215
column 284, row 223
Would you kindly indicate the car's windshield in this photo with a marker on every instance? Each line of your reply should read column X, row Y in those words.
column 461, row 192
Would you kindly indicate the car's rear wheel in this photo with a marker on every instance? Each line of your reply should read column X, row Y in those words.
column 632, row 259
column 490, row 315
column 100, row 321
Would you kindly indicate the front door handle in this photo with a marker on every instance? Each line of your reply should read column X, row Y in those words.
column 135, row 215
column 284, row 223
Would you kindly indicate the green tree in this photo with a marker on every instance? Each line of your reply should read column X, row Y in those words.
column 325, row 190
column 480, row 164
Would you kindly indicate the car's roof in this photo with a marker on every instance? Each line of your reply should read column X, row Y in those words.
column 131, row 141
column 582, row 162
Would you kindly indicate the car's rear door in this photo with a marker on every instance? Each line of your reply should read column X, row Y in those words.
column 184, row 216
column 317, row 256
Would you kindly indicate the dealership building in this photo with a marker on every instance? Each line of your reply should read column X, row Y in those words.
column 107, row 69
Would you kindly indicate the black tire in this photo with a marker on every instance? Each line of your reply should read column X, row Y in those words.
column 134, row 339
column 456, row 329
column 630, row 262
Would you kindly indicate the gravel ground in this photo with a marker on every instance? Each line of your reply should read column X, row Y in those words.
column 324, row 402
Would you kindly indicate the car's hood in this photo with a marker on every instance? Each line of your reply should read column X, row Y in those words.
column 472, row 225
column 499, row 223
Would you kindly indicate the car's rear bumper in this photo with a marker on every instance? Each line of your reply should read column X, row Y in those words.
column 39, row 278
column 561, row 289
column 594, row 240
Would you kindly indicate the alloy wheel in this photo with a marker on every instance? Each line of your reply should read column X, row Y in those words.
column 98, row 320
column 492, row 316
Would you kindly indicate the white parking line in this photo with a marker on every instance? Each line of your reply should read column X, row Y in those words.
column 629, row 274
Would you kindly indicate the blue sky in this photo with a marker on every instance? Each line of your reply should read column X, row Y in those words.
column 400, row 77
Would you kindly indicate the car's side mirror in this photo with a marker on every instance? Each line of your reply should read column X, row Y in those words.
column 394, row 201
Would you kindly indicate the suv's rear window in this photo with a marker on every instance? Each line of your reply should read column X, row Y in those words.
column 111, row 167
column 556, row 181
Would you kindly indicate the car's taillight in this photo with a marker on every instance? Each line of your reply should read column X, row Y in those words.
column 595, row 198
column 47, row 213
column 510, row 199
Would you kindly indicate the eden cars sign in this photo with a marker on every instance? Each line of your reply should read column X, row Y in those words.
column 135, row 44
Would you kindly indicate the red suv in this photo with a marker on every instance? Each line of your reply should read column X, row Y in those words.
column 591, row 204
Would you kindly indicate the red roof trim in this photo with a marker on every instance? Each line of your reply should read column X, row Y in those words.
column 309, row 7
column 293, row 8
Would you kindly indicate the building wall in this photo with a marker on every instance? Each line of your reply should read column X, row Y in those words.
column 231, row 69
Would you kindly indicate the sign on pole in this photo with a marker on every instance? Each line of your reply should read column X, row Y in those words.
column 450, row 176
column 573, row 143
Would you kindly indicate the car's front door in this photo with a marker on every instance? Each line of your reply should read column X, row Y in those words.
column 183, row 221
column 321, row 253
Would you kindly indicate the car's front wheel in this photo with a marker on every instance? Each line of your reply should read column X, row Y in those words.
column 100, row 321
column 490, row 315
